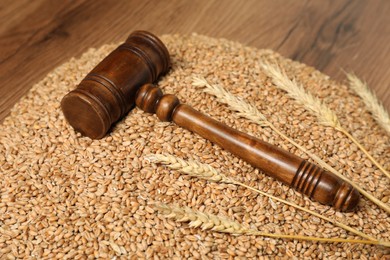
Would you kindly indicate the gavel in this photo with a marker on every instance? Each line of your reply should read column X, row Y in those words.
column 125, row 78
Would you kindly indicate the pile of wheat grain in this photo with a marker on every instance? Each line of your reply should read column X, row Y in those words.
column 66, row 196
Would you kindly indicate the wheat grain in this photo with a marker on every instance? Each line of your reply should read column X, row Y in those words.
column 64, row 196
column 207, row 172
column 224, row 225
column 370, row 100
column 324, row 114
column 250, row 112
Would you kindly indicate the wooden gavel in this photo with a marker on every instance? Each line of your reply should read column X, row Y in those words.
column 124, row 78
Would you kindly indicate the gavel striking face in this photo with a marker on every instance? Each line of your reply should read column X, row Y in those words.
column 124, row 79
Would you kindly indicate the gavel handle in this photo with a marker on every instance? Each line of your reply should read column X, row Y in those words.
column 300, row 174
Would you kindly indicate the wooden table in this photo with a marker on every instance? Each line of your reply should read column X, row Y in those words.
column 36, row 36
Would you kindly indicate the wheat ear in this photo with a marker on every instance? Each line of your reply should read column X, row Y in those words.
column 207, row 172
column 324, row 114
column 370, row 100
column 224, row 225
column 250, row 112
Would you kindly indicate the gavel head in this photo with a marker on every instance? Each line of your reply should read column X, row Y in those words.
column 108, row 92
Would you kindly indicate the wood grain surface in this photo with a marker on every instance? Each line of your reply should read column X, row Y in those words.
column 36, row 36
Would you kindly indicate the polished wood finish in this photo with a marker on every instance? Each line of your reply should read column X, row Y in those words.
column 37, row 36
column 107, row 93
column 300, row 174
column 123, row 78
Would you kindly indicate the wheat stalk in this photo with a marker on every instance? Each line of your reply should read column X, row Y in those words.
column 250, row 112
column 370, row 100
column 207, row 172
column 200, row 219
column 190, row 167
column 324, row 114
column 216, row 223
column 243, row 108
